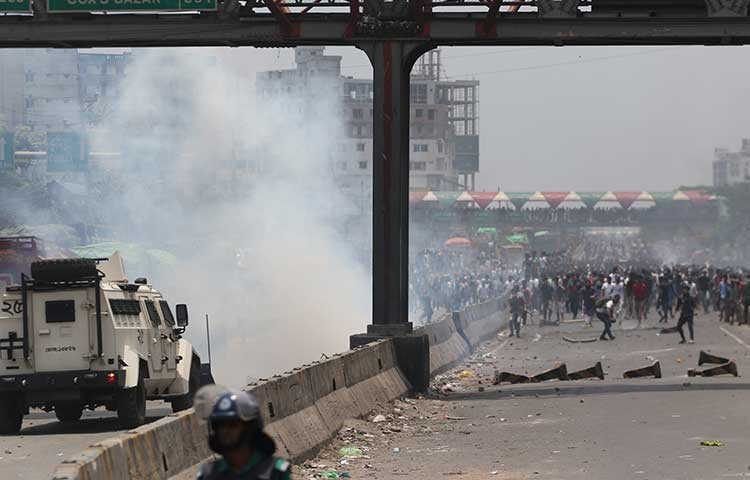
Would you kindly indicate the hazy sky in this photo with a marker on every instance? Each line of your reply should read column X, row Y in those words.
column 587, row 118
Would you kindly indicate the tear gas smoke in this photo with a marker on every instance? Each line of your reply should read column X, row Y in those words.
column 243, row 194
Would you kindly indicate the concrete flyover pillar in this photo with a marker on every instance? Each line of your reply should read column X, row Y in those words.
column 392, row 61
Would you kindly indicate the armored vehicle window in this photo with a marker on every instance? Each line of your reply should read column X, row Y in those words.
column 125, row 307
column 166, row 312
column 153, row 315
column 59, row 311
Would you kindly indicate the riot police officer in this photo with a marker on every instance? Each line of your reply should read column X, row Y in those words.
column 235, row 433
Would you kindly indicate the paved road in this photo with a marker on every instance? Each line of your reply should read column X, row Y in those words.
column 44, row 442
column 611, row 429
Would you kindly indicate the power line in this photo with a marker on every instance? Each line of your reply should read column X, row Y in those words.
column 562, row 64
column 449, row 57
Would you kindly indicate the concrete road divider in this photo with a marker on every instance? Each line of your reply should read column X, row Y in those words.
column 303, row 408
column 592, row 372
column 501, row 377
column 653, row 370
column 154, row 451
column 447, row 346
column 560, row 372
column 706, row 357
column 728, row 368
column 482, row 321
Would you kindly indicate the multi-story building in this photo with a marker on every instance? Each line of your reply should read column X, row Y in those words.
column 57, row 90
column 731, row 168
column 443, row 121
column 11, row 88
column 101, row 75
column 52, row 100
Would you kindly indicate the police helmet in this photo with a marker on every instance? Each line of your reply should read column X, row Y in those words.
column 236, row 405
column 219, row 404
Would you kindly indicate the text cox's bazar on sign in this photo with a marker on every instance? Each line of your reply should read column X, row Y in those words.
column 15, row 6
column 61, row 6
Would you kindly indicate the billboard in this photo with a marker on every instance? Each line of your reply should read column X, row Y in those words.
column 6, row 150
column 66, row 152
column 467, row 153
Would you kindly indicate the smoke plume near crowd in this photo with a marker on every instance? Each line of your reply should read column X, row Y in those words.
column 240, row 191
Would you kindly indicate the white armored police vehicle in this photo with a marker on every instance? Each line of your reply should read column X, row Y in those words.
column 78, row 334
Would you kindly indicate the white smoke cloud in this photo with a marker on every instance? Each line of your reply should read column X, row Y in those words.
column 222, row 181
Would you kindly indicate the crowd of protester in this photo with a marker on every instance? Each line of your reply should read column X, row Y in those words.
column 631, row 284
column 451, row 279
column 595, row 278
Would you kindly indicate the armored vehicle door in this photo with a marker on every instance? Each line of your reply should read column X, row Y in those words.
column 169, row 338
column 154, row 334
column 64, row 329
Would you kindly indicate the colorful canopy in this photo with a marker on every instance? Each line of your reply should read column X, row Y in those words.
column 590, row 198
column 519, row 199
column 536, row 202
column 632, row 200
column 662, row 198
column 644, row 201
column 517, row 238
column 608, row 201
column 554, row 199
column 447, row 199
column 573, row 201
column 484, row 199
column 626, row 199
column 458, row 242
column 698, row 197
column 430, row 197
column 416, row 197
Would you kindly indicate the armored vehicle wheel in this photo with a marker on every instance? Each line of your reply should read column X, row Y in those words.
column 186, row 401
column 11, row 415
column 68, row 412
column 131, row 405
column 63, row 269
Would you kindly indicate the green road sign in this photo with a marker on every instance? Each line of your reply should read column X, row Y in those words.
column 10, row 6
column 66, row 152
column 6, row 150
column 63, row 6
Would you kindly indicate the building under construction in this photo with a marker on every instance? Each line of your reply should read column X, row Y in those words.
column 444, row 126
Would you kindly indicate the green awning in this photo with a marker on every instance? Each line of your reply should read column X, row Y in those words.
column 519, row 199
column 662, row 198
column 447, row 199
column 590, row 198
column 517, row 238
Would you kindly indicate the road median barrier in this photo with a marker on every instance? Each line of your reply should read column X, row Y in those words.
column 728, row 368
column 482, row 321
column 302, row 409
column 560, row 372
column 592, row 372
column 501, row 377
column 447, row 346
column 653, row 370
column 705, row 357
